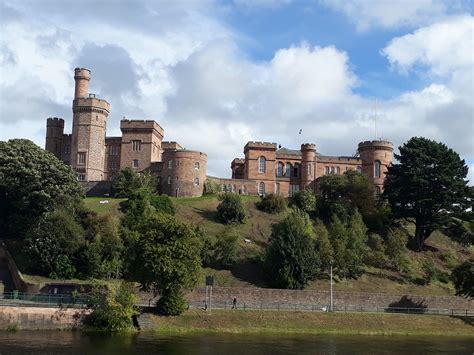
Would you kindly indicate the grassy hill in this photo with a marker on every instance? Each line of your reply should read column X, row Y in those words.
column 255, row 233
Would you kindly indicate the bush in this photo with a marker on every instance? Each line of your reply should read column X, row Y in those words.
column 304, row 200
column 272, row 203
column 450, row 259
column 127, row 181
column 226, row 250
column 377, row 256
column 463, row 279
column 112, row 307
column 162, row 203
column 396, row 249
column 211, row 187
column 171, row 303
column 230, row 209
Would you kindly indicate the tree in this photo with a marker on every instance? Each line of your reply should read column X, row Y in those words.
column 377, row 256
column 226, row 249
column 272, row 203
column 305, row 200
column 167, row 259
column 127, row 181
column 230, row 210
column 463, row 278
column 324, row 252
column 427, row 186
column 396, row 249
column 291, row 258
column 30, row 180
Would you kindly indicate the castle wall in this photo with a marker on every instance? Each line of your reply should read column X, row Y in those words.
column 113, row 150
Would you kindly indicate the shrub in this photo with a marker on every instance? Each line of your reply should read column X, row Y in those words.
column 211, row 187
column 226, row 250
column 396, row 249
column 230, row 209
column 463, row 279
column 162, row 203
column 431, row 271
column 304, row 200
column 272, row 203
column 377, row 255
column 127, row 181
column 171, row 303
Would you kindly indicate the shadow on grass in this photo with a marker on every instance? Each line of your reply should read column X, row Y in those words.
column 249, row 271
column 207, row 214
column 467, row 320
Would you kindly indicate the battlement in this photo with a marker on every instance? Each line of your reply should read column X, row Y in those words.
column 308, row 146
column 238, row 161
column 381, row 144
column 140, row 125
column 55, row 122
column 83, row 73
column 90, row 102
column 167, row 145
column 260, row 145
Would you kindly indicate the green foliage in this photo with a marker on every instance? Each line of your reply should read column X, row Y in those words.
column 463, row 279
column 376, row 256
column 112, row 307
column 226, row 249
column 230, row 210
column 304, row 200
column 291, row 259
column 162, row 203
column 427, row 187
column 127, row 181
column 166, row 255
column 450, row 259
column 171, row 303
column 396, row 249
column 30, row 180
column 272, row 203
column 323, row 248
column 460, row 231
column 211, row 187
column 137, row 208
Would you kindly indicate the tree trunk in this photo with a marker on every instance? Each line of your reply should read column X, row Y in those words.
column 419, row 237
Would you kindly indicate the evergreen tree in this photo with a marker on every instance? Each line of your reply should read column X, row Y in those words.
column 230, row 210
column 356, row 247
column 324, row 252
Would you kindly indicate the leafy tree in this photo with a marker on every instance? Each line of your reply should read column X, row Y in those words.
column 162, row 203
column 127, row 181
column 211, row 187
column 305, row 200
column 272, row 203
column 463, row 278
column 396, row 249
column 52, row 245
column 30, row 180
column 167, row 257
column 226, row 249
column 338, row 238
column 427, row 186
column 230, row 210
column 291, row 258
column 113, row 307
column 377, row 256
column 461, row 231
column 324, row 252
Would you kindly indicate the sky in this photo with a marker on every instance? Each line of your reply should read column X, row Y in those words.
column 216, row 74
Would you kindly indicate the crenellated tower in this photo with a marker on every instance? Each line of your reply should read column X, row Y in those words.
column 88, row 129
column 54, row 135
column 376, row 157
column 308, row 157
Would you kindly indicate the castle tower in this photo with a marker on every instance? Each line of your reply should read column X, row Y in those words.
column 88, row 130
column 376, row 157
column 308, row 157
column 54, row 135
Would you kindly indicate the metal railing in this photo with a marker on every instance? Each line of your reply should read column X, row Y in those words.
column 43, row 300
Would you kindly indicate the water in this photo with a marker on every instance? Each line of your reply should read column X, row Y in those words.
column 67, row 342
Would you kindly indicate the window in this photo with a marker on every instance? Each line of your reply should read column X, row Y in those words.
column 135, row 163
column 333, row 170
column 338, row 170
column 81, row 177
column 170, row 164
column 359, row 168
column 113, row 149
column 296, row 170
column 279, row 171
column 67, row 149
column 288, row 170
column 293, row 189
column 81, row 158
column 244, row 189
column 168, row 180
column 112, row 165
column 196, row 181
column 310, row 169
column 261, row 165
column 136, row 145
column 327, row 170
column 377, row 169
column 261, row 189
column 196, row 165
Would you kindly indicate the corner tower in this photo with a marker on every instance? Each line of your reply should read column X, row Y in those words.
column 308, row 157
column 54, row 135
column 88, row 129
column 376, row 157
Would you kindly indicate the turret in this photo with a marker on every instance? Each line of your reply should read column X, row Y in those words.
column 376, row 157
column 308, row 157
column 54, row 135
column 82, row 76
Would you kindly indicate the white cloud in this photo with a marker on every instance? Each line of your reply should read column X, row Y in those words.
column 393, row 14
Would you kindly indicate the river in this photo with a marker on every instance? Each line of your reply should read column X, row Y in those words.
column 68, row 342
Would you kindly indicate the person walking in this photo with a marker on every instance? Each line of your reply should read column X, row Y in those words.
column 234, row 303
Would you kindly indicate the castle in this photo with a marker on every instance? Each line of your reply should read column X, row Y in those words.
column 180, row 172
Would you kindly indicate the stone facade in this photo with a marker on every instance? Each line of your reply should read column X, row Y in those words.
column 96, row 157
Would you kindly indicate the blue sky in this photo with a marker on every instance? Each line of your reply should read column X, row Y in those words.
column 216, row 74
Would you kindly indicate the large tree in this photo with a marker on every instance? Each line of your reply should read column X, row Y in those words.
column 463, row 278
column 427, row 186
column 30, row 181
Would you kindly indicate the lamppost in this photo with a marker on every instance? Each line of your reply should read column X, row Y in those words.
column 330, row 304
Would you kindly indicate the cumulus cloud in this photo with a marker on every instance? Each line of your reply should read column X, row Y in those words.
column 366, row 14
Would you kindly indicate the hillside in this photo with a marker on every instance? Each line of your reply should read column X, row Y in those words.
column 255, row 233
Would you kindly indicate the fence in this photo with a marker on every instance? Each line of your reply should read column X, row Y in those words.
column 20, row 299
column 298, row 307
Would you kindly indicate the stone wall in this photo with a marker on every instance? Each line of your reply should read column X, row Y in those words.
column 41, row 318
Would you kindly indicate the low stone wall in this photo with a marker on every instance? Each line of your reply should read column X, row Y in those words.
column 17, row 277
column 254, row 296
column 41, row 318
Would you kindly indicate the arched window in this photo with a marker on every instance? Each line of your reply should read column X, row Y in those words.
column 296, row 170
column 170, row 164
column 288, row 170
column 261, row 165
column 196, row 181
column 377, row 169
column 196, row 165
column 279, row 169
column 327, row 170
column 169, row 180
column 261, row 189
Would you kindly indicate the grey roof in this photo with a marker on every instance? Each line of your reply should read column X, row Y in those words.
column 286, row 151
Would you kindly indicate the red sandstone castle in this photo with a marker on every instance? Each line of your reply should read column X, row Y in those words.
column 265, row 169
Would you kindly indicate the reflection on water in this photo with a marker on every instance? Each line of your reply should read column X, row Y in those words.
column 67, row 342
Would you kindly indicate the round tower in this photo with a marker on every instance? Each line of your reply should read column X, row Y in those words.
column 376, row 157
column 54, row 135
column 308, row 157
column 82, row 76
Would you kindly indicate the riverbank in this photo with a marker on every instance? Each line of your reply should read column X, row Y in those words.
column 272, row 322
